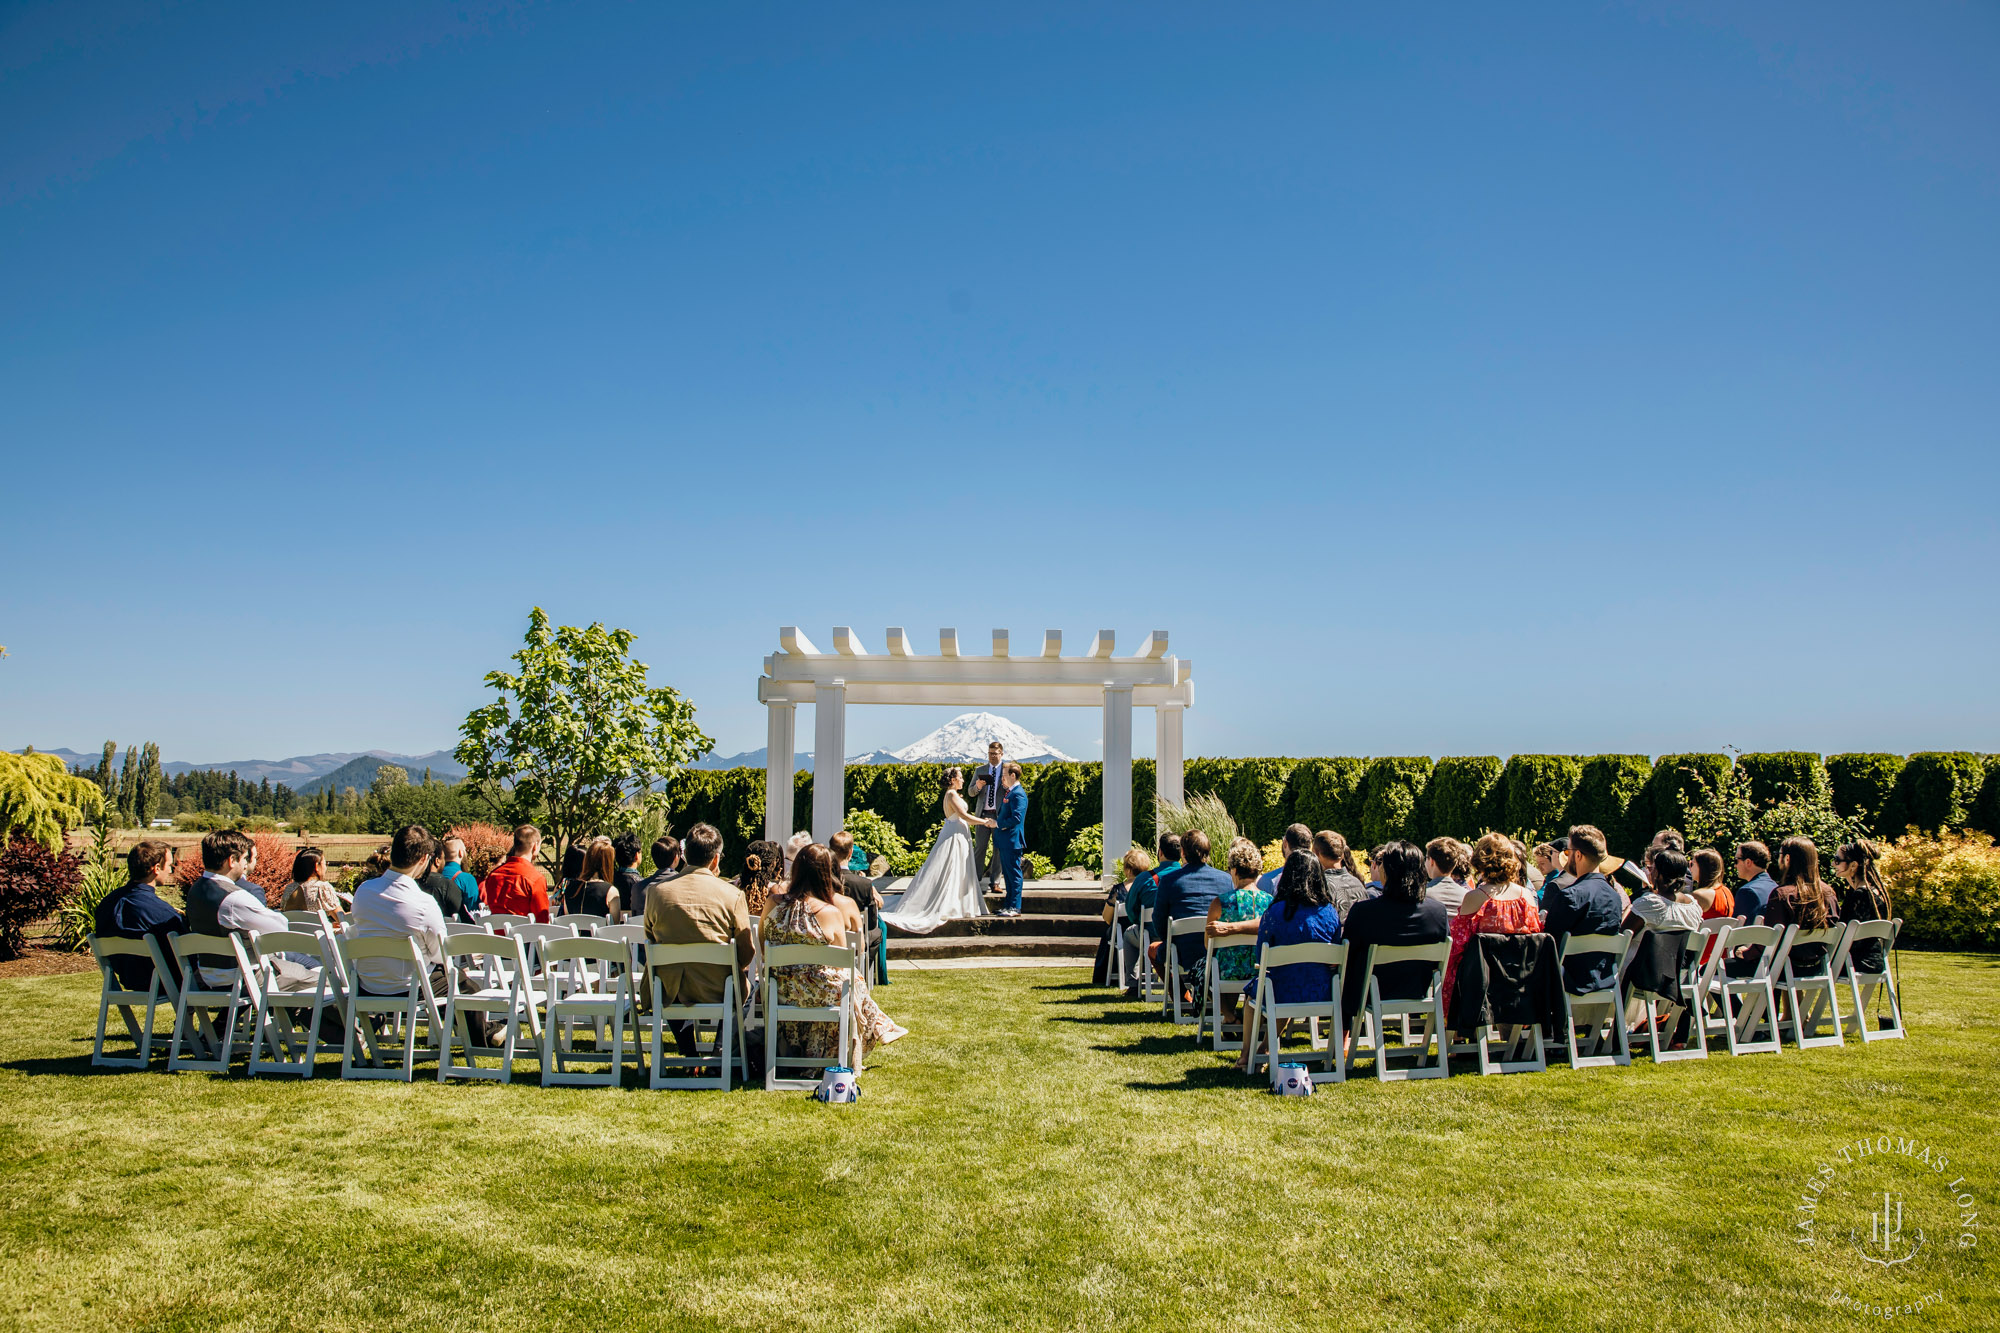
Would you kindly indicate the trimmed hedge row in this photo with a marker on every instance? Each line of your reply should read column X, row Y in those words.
column 1629, row 796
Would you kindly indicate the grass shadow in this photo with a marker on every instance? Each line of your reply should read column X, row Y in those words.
column 1197, row 1079
column 71, row 1065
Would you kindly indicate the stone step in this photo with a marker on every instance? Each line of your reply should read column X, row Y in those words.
column 994, row 946
column 1044, row 923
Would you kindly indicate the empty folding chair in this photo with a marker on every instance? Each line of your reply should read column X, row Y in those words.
column 160, row 990
column 602, row 997
column 510, row 993
column 1663, row 1016
column 1211, row 1017
column 206, row 1016
column 1603, row 1011
column 1816, row 984
column 724, row 1016
column 1863, row 983
column 1170, row 956
column 1428, row 1007
column 1266, row 1015
column 275, row 1025
column 1749, row 1004
column 838, row 959
column 413, row 1007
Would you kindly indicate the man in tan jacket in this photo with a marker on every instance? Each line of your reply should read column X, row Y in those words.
column 697, row 907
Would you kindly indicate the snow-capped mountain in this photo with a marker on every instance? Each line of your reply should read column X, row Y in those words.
column 965, row 738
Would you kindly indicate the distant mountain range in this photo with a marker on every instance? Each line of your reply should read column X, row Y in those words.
column 304, row 773
column 961, row 740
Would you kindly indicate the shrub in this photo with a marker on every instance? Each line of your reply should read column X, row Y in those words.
column 1389, row 798
column 1535, row 791
column 1256, row 797
column 33, row 883
column 486, row 846
column 1986, row 810
column 1086, row 849
column 76, row 916
column 1937, row 790
column 1036, row 866
column 878, row 837
column 1946, row 889
column 1785, row 775
column 273, row 870
column 1728, row 815
column 40, row 800
column 1273, row 853
column 1326, row 794
column 1459, row 798
column 1677, row 782
column 1203, row 811
column 1607, row 790
column 1863, row 785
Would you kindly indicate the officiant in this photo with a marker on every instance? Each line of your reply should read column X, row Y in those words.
column 986, row 804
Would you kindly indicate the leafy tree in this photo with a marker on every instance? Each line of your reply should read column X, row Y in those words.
column 387, row 777
column 1728, row 812
column 150, row 786
column 41, row 800
column 128, row 779
column 577, row 737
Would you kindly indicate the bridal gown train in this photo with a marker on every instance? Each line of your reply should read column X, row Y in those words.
column 946, row 889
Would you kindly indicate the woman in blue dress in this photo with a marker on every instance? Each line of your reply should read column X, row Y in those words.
column 1301, row 912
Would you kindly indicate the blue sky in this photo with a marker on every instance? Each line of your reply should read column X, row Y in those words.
column 1447, row 379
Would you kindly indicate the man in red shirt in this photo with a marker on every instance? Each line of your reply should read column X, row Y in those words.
column 517, row 885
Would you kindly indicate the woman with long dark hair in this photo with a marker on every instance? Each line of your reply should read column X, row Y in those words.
column 1865, row 898
column 1401, row 914
column 1301, row 912
column 594, row 892
column 1802, row 899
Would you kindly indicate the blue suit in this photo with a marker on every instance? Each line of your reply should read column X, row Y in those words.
column 1012, row 837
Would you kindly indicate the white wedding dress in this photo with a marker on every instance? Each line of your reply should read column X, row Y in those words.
column 947, row 888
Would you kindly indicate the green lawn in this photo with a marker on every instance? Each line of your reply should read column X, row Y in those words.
column 1033, row 1156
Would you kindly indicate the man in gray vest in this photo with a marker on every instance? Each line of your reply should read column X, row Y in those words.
column 985, row 807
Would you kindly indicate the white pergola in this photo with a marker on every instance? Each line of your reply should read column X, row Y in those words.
column 802, row 674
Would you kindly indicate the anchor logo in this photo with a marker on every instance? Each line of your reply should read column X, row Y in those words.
column 1885, row 1232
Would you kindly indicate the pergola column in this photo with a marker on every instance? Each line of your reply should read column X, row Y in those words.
column 780, row 742
column 1167, row 718
column 829, row 760
column 1117, row 776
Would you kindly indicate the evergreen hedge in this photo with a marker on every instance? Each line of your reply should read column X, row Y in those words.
column 1607, row 790
column 1797, row 774
column 1679, row 781
column 1389, row 795
column 1326, row 793
column 1535, row 791
column 1865, row 785
column 1459, row 801
column 1938, row 790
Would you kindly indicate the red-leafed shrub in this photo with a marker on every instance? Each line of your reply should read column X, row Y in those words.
column 486, row 846
column 33, row 883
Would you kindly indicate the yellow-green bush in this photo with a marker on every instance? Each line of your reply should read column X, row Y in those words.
column 1946, row 889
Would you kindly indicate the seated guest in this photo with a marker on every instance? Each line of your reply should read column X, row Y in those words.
column 309, row 890
column 1448, row 862
column 807, row 913
column 1400, row 914
column 445, row 890
column 666, row 865
column 1239, row 912
column 696, row 906
column 627, row 879
column 1666, row 903
column 855, row 887
column 517, row 886
column 795, row 844
column 1802, row 899
column 393, row 905
column 137, row 910
column 1344, row 883
column 1587, row 905
column 224, row 901
column 595, row 891
column 762, row 874
column 1865, row 898
column 1752, row 862
column 451, row 851
column 1134, row 864
column 1374, row 884
column 572, row 872
column 1554, row 873
column 1298, row 913
column 1499, row 904
column 1140, row 900
column 1711, row 894
column 1188, row 892
column 1297, row 838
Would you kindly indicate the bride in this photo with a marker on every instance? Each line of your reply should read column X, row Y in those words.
column 947, row 888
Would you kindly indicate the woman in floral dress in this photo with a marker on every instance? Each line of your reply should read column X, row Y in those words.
column 1237, row 912
column 807, row 913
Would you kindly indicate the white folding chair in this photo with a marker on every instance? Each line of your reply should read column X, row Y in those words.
column 580, row 923
column 1151, row 987
column 274, row 1022
column 840, row 959
column 1429, row 1007
column 1212, row 1018
column 600, row 996
column 725, row 1016
column 1862, row 985
column 1603, row 1010
column 510, row 992
column 1662, row 1015
column 1266, row 1014
column 1819, row 984
column 1520, row 1050
column 532, row 936
column 160, row 990
column 415, row 1006
column 1176, row 981
column 1114, row 967
column 1749, row 1004
column 202, row 997
column 502, row 921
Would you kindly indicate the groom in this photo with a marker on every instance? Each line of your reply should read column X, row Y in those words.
column 1010, row 832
